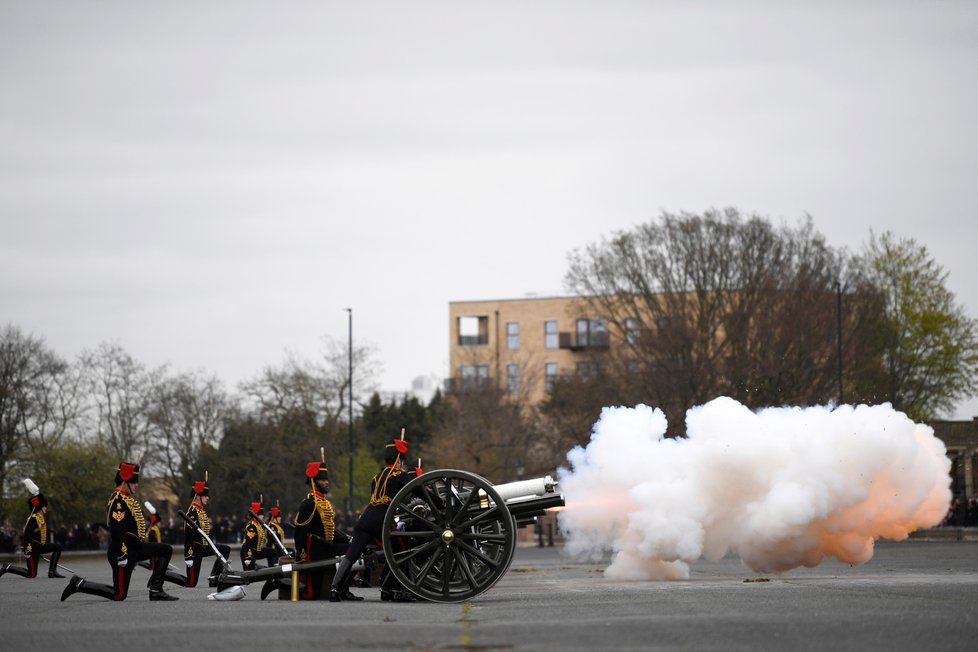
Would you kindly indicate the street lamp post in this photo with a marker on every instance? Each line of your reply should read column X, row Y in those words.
column 838, row 333
column 349, row 495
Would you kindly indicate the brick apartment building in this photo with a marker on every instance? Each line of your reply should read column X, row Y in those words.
column 523, row 345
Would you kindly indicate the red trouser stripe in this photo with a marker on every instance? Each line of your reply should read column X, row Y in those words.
column 120, row 593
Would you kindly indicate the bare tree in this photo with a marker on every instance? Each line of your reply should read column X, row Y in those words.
column 714, row 304
column 491, row 428
column 188, row 415
column 121, row 390
column 317, row 387
column 38, row 401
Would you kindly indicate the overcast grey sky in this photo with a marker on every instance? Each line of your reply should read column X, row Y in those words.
column 211, row 183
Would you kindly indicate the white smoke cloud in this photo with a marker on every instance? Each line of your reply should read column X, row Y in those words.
column 781, row 487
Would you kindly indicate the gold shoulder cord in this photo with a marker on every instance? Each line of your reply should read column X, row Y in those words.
column 308, row 520
column 108, row 507
column 379, row 496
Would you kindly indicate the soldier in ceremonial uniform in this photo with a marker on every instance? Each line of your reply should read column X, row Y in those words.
column 36, row 539
column 383, row 488
column 256, row 544
column 127, row 545
column 153, row 534
column 195, row 546
column 275, row 522
column 316, row 536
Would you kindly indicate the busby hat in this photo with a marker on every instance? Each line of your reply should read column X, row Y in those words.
column 317, row 471
column 256, row 507
column 127, row 472
column 37, row 499
column 394, row 449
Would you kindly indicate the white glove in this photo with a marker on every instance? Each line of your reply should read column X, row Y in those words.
column 122, row 563
column 189, row 562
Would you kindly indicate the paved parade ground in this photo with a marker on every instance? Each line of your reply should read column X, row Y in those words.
column 914, row 595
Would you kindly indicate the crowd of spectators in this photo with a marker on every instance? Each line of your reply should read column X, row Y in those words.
column 962, row 513
column 81, row 536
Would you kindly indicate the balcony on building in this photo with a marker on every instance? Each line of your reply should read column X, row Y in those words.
column 583, row 341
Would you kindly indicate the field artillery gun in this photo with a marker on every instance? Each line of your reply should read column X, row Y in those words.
column 448, row 535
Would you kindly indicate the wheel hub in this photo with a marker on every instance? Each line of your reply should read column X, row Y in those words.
column 447, row 537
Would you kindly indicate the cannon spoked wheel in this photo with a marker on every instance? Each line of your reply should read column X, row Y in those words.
column 453, row 543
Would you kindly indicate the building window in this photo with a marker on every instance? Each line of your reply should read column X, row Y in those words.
column 550, row 374
column 474, row 376
column 473, row 330
column 513, row 335
column 513, row 378
column 550, row 337
column 586, row 369
column 631, row 330
column 591, row 332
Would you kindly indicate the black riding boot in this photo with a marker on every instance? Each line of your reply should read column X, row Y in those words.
column 340, row 589
column 53, row 567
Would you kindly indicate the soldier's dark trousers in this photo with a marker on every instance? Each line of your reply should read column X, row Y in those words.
column 34, row 560
column 316, row 549
column 266, row 553
column 122, row 574
column 193, row 569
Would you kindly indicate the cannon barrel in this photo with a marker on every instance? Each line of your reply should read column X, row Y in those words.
column 233, row 578
column 523, row 488
column 527, row 499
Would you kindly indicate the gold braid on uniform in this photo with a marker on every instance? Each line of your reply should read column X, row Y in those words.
column 260, row 532
column 325, row 509
column 42, row 526
column 203, row 522
column 135, row 509
column 379, row 496
column 279, row 532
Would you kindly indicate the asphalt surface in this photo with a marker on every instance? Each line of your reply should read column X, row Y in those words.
column 913, row 595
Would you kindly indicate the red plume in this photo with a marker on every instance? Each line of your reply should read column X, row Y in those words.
column 312, row 469
column 401, row 446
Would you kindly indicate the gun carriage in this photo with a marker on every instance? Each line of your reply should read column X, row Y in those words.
column 448, row 535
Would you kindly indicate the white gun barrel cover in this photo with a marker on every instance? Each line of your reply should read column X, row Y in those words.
column 526, row 488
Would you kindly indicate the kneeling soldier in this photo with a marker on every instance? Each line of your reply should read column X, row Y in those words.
column 315, row 530
column 127, row 545
column 256, row 544
column 195, row 546
column 36, row 540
